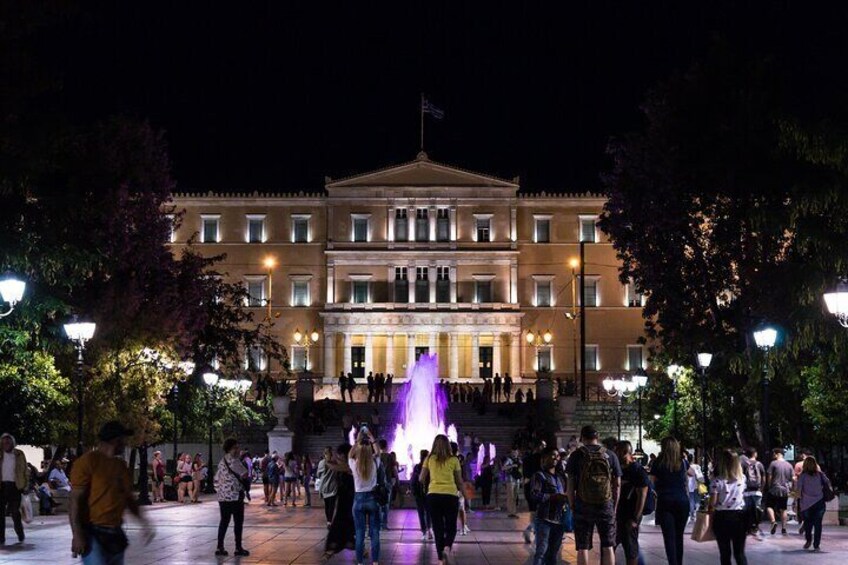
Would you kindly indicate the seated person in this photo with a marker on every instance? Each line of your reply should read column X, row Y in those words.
column 57, row 477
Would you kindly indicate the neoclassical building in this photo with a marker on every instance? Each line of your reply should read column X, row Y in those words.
column 424, row 257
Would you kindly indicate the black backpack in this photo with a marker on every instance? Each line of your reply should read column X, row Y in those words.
column 753, row 477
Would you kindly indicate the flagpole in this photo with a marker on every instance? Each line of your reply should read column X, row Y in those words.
column 421, row 112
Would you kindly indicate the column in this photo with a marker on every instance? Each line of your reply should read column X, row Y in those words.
column 390, row 280
column 513, row 224
column 390, row 225
column 410, row 277
column 331, row 282
column 329, row 355
column 496, row 354
column 475, row 355
column 454, row 356
column 410, row 350
column 452, row 276
column 390, row 353
column 410, row 217
column 431, row 216
column 433, row 341
column 515, row 355
column 432, row 273
column 347, row 359
column 513, row 281
column 452, row 215
column 369, row 353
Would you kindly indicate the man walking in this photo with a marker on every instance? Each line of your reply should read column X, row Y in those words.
column 634, row 493
column 594, row 481
column 549, row 493
column 531, row 465
column 13, row 480
column 101, row 491
column 779, row 482
column 755, row 475
column 507, row 386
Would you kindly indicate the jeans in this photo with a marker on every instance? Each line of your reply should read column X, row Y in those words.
column 694, row 502
column 329, row 507
column 423, row 515
column 730, row 529
column 98, row 556
column 384, row 509
column 10, row 499
column 813, row 517
column 753, row 513
column 671, row 517
column 365, row 507
column 444, row 509
column 231, row 509
column 548, row 542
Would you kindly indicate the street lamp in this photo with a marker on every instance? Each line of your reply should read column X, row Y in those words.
column 837, row 302
column 620, row 388
column 574, row 263
column 211, row 379
column 704, row 360
column 640, row 377
column 306, row 341
column 79, row 333
column 765, row 338
column 537, row 340
column 673, row 372
column 11, row 291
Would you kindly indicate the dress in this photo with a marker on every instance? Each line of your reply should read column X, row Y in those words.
column 342, row 530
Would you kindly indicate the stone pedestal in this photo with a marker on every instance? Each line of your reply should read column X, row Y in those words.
column 567, row 407
column 305, row 388
column 544, row 388
column 280, row 440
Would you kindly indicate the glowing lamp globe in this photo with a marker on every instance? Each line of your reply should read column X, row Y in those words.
column 315, row 335
column 765, row 338
column 673, row 371
column 704, row 360
column 12, row 290
column 297, row 335
column 211, row 379
column 80, row 332
column 548, row 336
column 837, row 302
column 640, row 378
column 531, row 337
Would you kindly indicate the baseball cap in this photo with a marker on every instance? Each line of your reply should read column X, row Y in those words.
column 113, row 429
column 588, row 432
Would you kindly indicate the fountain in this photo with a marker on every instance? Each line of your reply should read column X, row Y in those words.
column 421, row 413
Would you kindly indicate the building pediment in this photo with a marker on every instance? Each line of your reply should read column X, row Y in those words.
column 422, row 172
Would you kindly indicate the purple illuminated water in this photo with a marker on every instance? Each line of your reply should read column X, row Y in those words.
column 421, row 412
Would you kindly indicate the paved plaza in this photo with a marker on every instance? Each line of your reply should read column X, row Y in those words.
column 186, row 535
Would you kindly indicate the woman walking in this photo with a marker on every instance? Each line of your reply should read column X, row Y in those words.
column 196, row 476
column 486, row 479
column 291, row 470
column 727, row 499
column 811, row 485
column 442, row 471
column 229, row 485
column 306, row 469
column 185, row 487
column 158, row 468
column 365, row 467
column 669, row 477
column 342, row 533
column 272, row 474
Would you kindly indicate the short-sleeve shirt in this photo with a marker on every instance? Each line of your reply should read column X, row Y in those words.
column 671, row 486
column 107, row 483
column 575, row 463
column 633, row 478
column 780, row 474
column 730, row 494
column 442, row 475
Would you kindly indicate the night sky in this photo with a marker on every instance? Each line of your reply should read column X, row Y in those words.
column 276, row 95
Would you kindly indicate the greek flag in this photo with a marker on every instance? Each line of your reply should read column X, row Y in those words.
column 428, row 107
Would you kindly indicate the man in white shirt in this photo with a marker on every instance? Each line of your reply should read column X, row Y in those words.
column 57, row 477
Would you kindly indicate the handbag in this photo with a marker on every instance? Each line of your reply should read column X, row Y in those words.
column 567, row 521
column 380, row 490
column 243, row 481
column 827, row 488
column 26, row 508
column 703, row 529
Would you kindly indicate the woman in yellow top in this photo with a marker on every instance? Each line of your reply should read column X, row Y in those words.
column 442, row 471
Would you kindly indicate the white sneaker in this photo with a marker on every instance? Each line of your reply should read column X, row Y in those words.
column 466, row 530
column 423, row 537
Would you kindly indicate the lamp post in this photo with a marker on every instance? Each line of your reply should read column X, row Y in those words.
column 837, row 302
column 269, row 262
column 765, row 339
column 537, row 340
column 704, row 360
column 79, row 333
column 211, row 379
column 673, row 371
column 575, row 313
column 640, row 377
column 620, row 388
column 306, row 341
column 11, row 291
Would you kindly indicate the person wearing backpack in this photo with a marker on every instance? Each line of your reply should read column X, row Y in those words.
column 670, row 481
column 814, row 492
column 635, row 490
column 419, row 492
column 754, row 478
column 594, row 481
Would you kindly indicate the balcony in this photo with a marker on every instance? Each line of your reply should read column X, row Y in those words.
column 423, row 306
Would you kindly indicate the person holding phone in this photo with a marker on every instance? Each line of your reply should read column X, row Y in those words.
column 548, row 490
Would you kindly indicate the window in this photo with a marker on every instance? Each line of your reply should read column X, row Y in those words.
column 298, row 358
column 543, row 293
column 588, row 233
column 256, row 359
column 483, row 291
column 443, row 225
column 422, row 284
column 634, row 297
column 360, row 228
column 300, row 293
column 543, row 229
column 634, row 357
column 590, row 292
column 210, row 229
column 401, row 225
column 443, row 284
column 255, row 228
column 360, row 292
column 422, row 225
column 172, row 228
column 256, row 292
column 300, row 228
column 401, row 285
column 483, row 229
column 592, row 358
column 543, row 360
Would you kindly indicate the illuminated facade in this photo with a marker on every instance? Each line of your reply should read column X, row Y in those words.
column 424, row 257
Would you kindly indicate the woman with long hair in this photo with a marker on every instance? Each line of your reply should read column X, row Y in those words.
column 811, row 484
column 668, row 474
column 229, row 487
column 291, row 470
column 341, row 534
column 441, row 469
column 158, row 467
column 196, row 476
column 185, row 487
column 727, row 500
column 365, row 468
column 306, row 472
